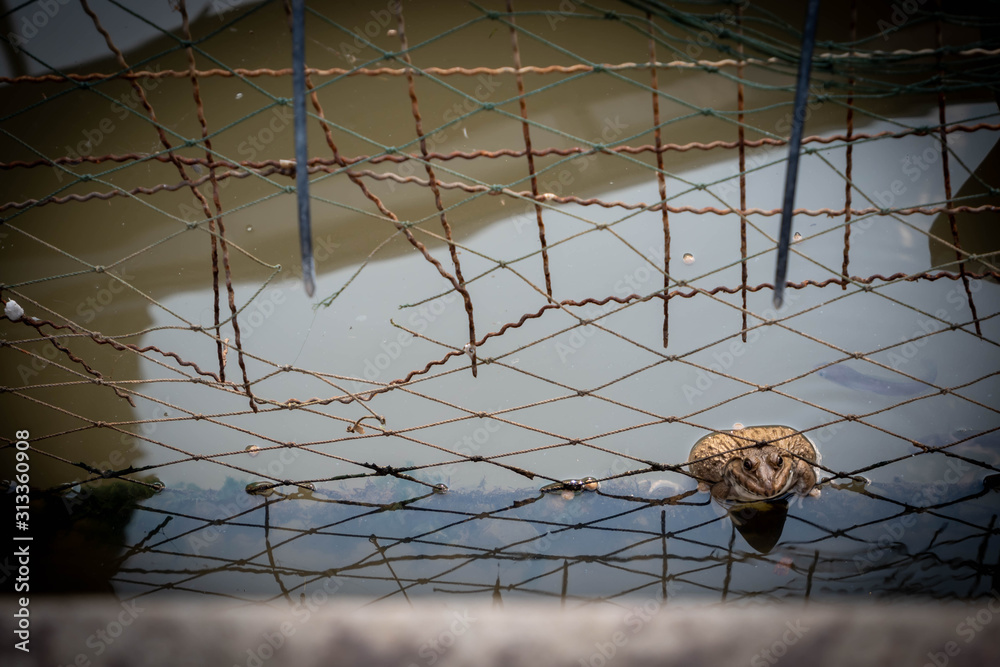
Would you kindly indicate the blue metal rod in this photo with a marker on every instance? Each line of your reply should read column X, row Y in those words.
column 301, row 145
column 794, row 144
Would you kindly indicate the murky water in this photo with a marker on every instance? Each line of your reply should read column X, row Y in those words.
column 552, row 399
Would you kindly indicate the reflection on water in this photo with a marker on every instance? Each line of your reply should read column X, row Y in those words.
column 389, row 537
column 317, row 490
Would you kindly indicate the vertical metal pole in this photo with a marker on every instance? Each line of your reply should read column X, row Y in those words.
column 794, row 144
column 301, row 145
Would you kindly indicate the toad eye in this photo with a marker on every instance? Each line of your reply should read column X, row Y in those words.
column 778, row 460
column 747, row 464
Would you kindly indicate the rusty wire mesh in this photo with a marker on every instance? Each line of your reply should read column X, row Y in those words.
column 381, row 526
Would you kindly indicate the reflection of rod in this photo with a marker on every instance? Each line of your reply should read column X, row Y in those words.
column 794, row 143
column 301, row 146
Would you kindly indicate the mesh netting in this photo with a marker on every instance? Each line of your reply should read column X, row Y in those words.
column 544, row 238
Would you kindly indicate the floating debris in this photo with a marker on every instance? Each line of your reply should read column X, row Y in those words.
column 13, row 311
column 260, row 488
column 568, row 488
column 158, row 486
column 737, row 426
column 391, row 32
column 470, row 350
column 857, row 484
column 796, row 237
column 688, row 258
column 249, row 228
column 307, row 486
column 440, row 488
column 356, row 427
column 252, row 450
column 239, row 96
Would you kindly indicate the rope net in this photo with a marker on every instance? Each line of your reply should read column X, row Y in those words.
column 544, row 237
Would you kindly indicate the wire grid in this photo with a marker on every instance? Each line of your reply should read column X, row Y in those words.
column 398, row 541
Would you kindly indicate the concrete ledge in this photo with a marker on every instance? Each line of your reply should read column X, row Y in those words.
column 87, row 632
